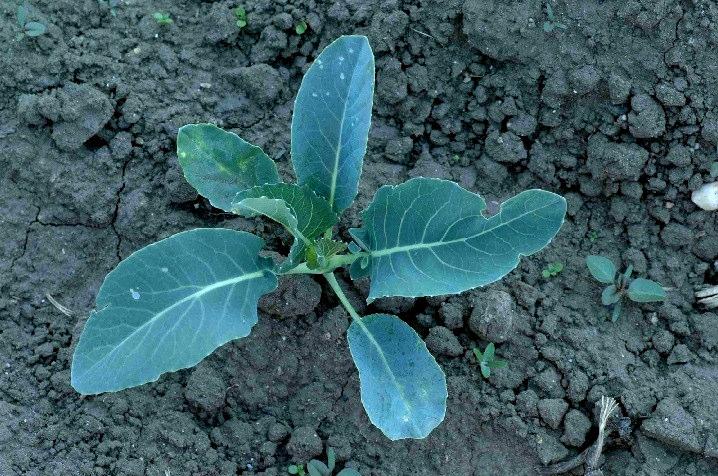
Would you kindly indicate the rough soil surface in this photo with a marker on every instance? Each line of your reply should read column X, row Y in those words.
column 615, row 107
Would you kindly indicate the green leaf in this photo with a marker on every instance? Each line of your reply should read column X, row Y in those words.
column 331, row 120
column 616, row 312
column 169, row 305
column 645, row 290
column 499, row 364
column 35, row 28
column 403, row 389
column 610, row 295
column 478, row 354
column 324, row 248
column 489, row 352
column 331, row 459
column 219, row 164
column 485, row 369
column 299, row 209
column 428, row 237
column 348, row 472
column 601, row 268
column 317, row 468
column 21, row 14
column 301, row 27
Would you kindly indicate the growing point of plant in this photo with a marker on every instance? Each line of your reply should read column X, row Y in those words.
column 170, row 304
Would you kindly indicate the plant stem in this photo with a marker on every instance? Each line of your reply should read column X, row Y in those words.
column 332, row 280
column 333, row 263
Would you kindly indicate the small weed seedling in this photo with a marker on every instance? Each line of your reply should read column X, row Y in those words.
column 162, row 18
column 553, row 269
column 29, row 28
column 551, row 24
column 240, row 17
column 592, row 236
column 170, row 304
column 317, row 468
column 487, row 360
column 621, row 284
column 301, row 27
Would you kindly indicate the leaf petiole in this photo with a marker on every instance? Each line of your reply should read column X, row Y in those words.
column 332, row 280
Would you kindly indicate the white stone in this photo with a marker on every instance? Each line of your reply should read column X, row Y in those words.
column 706, row 197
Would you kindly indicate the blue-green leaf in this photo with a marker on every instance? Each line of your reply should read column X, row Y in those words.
column 219, row 164
column 332, row 114
column 403, row 389
column 428, row 237
column 610, row 295
column 645, row 290
column 299, row 209
column 35, row 28
column 601, row 268
column 170, row 304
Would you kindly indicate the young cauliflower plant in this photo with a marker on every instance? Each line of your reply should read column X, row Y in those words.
column 170, row 304
column 621, row 285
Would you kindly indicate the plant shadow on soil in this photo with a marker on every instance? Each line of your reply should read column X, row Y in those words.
column 617, row 111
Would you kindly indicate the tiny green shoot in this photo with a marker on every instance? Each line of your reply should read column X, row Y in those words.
column 551, row 24
column 621, row 285
column 30, row 29
column 553, row 269
column 318, row 468
column 487, row 360
column 301, row 27
column 240, row 17
column 296, row 469
column 592, row 236
column 172, row 303
column 162, row 18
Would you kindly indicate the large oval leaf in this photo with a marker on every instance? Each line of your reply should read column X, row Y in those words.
column 331, row 120
column 219, row 164
column 298, row 208
column 403, row 389
column 170, row 304
column 428, row 237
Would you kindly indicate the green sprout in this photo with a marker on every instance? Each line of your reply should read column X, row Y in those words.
column 592, row 236
column 162, row 18
column 301, row 27
column 553, row 269
column 172, row 303
column 487, row 360
column 29, row 28
column 240, row 17
column 317, row 468
column 551, row 24
column 621, row 285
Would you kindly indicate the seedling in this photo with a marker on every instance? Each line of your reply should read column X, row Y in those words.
column 592, row 236
column 240, row 17
column 301, row 27
column 317, row 468
column 29, row 28
column 170, row 304
column 487, row 360
column 551, row 24
column 162, row 18
column 553, row 269
column 621, row 285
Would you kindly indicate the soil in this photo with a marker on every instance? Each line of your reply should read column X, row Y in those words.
column 611, row 103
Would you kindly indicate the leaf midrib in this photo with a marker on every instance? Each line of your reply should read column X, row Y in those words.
column 400, row 388
column 189, row 297
column 337, row 153
column 416, row 246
